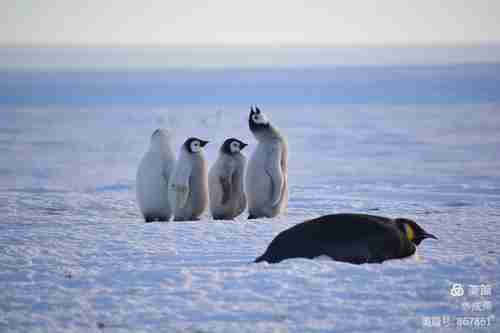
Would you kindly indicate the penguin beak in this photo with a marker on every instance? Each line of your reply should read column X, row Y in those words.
column 423, row 236
column 243, row 145
column 203, row 143
column 427, row 235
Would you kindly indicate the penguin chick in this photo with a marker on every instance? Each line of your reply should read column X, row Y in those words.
column 227, row 195
column 188, row 187
column 353, row 238
column 267, row 176
column 152, row 178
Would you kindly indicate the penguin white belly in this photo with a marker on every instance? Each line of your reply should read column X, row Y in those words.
column 152, row 190
column 258, row 183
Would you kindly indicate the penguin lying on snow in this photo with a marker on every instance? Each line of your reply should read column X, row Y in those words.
column 353, row 238
column 188, row 187
column 267, row 176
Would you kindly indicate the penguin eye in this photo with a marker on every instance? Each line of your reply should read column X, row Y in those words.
column 255, row 118
column 195, row 145
column 235, row 146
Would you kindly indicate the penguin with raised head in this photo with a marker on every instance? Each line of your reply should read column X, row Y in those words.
column 152, row 178
column 227, row 194
column 188, row 187
column 267, row 175
column 353, row 238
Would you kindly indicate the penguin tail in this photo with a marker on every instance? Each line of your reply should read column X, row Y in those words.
column 251, row 217
column 259, row 259
column 265, row 258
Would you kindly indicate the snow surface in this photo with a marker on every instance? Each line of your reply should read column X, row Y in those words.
column 76, row 256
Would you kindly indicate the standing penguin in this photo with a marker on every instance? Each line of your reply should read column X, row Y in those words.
column 152, row 178
column 188, row 187
column 227, row 195
column 267, row 175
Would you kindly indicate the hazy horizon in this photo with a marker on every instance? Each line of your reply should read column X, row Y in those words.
column 174, row 57
column 93, row 35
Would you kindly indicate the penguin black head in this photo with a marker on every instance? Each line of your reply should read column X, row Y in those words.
column 232, row 146
column 194, row 145
column 257, row 120
column 413, row 231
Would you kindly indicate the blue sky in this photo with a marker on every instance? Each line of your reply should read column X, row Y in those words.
column 230, row 22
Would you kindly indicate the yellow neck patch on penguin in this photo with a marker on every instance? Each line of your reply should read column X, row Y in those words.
column 410, row 234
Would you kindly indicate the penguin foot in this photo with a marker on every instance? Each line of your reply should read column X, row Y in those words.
column 185, row 219
column 149, row 219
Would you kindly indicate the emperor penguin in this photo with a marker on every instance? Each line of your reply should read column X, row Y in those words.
column 227, row 194
column 352, row 238
column 153, row 176
column 267, row 175
column 188, row 186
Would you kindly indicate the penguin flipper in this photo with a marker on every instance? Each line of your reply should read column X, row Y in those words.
column 226, row 188
column 273, row 169
column 166, row 172
column 181, row 196
column 354, row 253
column 374, row 249
column 180, row 186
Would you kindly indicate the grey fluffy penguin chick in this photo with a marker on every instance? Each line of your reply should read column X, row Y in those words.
column 267, row 174
column 227, row 194
column 188, row 187
column 152, row 178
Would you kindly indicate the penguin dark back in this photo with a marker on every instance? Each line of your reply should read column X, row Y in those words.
column 353, row 238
